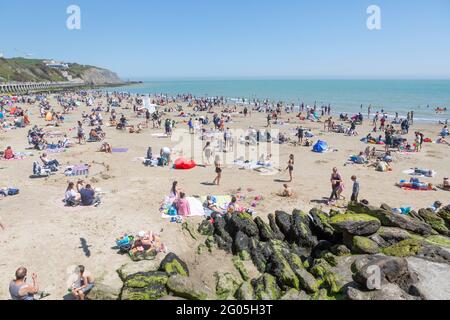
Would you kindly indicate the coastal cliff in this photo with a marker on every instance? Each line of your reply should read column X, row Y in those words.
column 36, row 70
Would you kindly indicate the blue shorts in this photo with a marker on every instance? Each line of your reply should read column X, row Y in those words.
column 89, row 287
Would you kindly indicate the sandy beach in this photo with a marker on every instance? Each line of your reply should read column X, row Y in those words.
column 49, row 238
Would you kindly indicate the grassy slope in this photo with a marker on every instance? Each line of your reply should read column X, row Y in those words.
column 33, row 70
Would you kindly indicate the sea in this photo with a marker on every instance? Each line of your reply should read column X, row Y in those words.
column 345, row 96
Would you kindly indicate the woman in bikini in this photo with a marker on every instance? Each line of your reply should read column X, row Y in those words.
column 217, row 164
column 336, row 181
column 290, row 166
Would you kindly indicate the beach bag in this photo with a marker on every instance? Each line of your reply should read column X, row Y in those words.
column 13, row 191
column 172, row 211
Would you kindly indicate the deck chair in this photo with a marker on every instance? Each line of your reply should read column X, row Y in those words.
column 39, row 171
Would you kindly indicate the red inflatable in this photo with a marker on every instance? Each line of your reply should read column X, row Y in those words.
column 183, row 164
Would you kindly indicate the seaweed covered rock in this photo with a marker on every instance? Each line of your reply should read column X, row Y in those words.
column 103, row 292
column 239, row 265
column 355, row 224
column 145, row 286
column 445, row 214
column 435, row 221
column 300, row 233
column 418, row 248
column 241, row 243
column 277, row 234
column 172, row 264
column 226, row 285
column 295, row 295
column 389, row 219
column 185, row 287
column 265, row 232
column 257, row 255
column 266, row 288
column 135, row 267
column 283, row 221
column 393, row 235
column 224, row 244
column 340, row 250
column 321, row 225
column 306, row 280
column 364, row 245
column 281, row 269
column 245, row 292
column 242, row 222
column 206, row 228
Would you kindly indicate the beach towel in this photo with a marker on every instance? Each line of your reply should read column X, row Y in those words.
column 119, row 150
column 57, row 150
column 78, row 170
column 220, row 201
column 159, row 135
column 195, row 204
column 421, row 172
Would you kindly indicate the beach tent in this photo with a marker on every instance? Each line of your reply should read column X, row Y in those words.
column 320, row 146
column 183, row 164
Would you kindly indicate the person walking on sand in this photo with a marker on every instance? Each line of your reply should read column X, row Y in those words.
column 355, row 191
column 207, row 151
column 290, row 167
column 336, row 181
column 218, row 167
column 80, row 133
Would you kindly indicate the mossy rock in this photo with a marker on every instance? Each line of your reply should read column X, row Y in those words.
column 435, row 221
column 226, row 285
column 190, row 230
column 405, row 248
column 206, row 228
column 245, row 292
column 266, row 288
column 184, row 287
column 322, row 295
column 281, row 268
column 245, row 256
column 145, row 286
column 364, row 245
column 349, row 216
column 439, row 241
column 201, row 249
column 172, row 264
column 237, row 262
column 295, row 295
column 244, row 215
column 210, row 243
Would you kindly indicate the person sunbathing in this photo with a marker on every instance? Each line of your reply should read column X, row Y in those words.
column 287, row 192
column 8, row 154
column 49, row 163
column 442, row 141
column 209, row 204
column 106, row 147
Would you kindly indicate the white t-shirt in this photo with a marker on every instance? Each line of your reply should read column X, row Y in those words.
column 71, row 194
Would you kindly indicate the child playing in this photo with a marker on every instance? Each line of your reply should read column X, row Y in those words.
column 355, row 191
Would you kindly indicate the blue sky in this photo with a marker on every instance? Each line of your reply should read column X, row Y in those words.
column 236, row 38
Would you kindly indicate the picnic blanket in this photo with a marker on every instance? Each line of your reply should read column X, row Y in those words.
column 57, row 150
column 119, row 150
column 421, row 172
column 77, row 170
column 195, row 205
